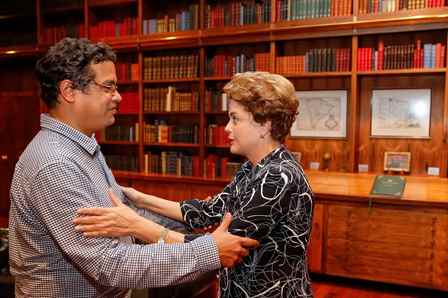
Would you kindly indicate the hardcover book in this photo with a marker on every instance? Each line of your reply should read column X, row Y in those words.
column 386, row 185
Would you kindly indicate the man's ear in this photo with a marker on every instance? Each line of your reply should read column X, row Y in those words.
column 66, row 91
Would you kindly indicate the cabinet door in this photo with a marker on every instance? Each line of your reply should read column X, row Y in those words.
column 19, row 122
column 384, row 244
column 315, row 245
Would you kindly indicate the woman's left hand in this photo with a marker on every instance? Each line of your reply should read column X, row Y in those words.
column 116, row 221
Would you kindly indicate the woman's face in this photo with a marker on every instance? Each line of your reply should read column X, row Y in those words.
column 244, row 133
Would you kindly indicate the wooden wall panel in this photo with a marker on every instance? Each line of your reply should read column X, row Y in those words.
column 316, row 240
column 314, row 149
column 424, row 152
column 384, row 244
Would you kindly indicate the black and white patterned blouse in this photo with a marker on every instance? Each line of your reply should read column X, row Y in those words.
column 273, row 203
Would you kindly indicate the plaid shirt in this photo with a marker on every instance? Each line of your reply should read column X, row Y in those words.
column 59, row 172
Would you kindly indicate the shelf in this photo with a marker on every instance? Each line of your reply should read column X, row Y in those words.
column 218, row 146
column 63, row 10
column 109, row 3
column 403, row 71
column 126, row 114
column 173, row 145
column 223, row 113
column 20, row 51
column 217, row 78
column 318, row 74
column 165, row 178
column 173, row 113
column 127, row 82
column 118, row 143
column 171, row 81
column 127, row 42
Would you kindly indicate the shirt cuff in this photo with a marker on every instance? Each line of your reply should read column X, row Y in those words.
column 206, row 252
column 191, row 237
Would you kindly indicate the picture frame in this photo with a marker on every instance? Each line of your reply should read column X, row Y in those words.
column 322, row 114
column 397, row 161
column 401, row 113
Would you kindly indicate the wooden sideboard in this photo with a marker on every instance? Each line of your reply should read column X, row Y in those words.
column 401, row 241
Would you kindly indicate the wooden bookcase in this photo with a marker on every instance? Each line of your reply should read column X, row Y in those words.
column 144, row 29
column 184, row 46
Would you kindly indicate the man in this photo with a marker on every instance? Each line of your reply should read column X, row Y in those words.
column 63, row 169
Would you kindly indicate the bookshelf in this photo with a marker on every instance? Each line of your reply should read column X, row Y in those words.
column 174, row 57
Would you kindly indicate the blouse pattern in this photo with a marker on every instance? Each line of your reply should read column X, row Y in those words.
column 273, row 203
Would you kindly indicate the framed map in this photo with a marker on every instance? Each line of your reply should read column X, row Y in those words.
column 322, row 114
column 401, row 113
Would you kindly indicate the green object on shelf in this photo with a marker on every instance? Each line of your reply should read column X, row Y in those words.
column 386, row 185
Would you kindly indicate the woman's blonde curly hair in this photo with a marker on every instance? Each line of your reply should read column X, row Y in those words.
column 267, row 97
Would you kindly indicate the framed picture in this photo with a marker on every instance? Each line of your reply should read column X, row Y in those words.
column 397, row 161
column 401, row 113
column 322, row 114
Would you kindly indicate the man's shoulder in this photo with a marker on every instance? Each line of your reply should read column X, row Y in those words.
column 43, row 150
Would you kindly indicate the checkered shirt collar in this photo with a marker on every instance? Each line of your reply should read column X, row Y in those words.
column 87, row 143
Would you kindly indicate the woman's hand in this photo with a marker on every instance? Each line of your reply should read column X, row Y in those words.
column 134, row 195
column 116, row 221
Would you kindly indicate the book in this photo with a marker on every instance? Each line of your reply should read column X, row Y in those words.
column 387, row 185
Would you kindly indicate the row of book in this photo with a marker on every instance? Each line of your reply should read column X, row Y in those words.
column 121, row 132
column 170, row 67
column 215, row 101
column 288, row 10
column 228, row 65
column 180, row 164
column 129, row 103
column 171, row 163
column 182, row 21
column 122, row 162
column 237, row 13
column 113, row 28
column 219, row 167
column 127, row 71
column 52, row 34
column 216, row 135
column 315, row 60
column 382, row 6
column 161, row 132
column 402, row 56
column 170, row 100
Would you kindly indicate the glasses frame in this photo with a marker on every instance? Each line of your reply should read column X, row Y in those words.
column 109, row 89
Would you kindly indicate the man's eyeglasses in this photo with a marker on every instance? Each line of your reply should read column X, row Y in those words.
column 108, row 88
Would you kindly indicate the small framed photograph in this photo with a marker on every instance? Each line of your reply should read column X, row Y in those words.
column 397, row 161
column 402, row 113
column 322, row 114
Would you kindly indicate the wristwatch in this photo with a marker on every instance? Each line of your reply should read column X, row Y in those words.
column 163, row 235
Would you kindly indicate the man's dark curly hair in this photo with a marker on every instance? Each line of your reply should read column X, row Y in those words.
column 70, row 59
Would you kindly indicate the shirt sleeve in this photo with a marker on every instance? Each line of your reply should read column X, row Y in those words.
column 260, row 205
column 200, row 213
column 61, row 188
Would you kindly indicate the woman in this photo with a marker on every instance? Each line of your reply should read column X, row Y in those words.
column 269, row 198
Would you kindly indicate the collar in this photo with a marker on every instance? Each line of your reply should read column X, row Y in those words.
column 247, row 167
column 87, row 143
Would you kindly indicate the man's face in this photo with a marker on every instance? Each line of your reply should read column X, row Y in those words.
column 97, row 105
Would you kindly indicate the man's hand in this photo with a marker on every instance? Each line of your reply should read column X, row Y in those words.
column 231, row 248
column 116, row 221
